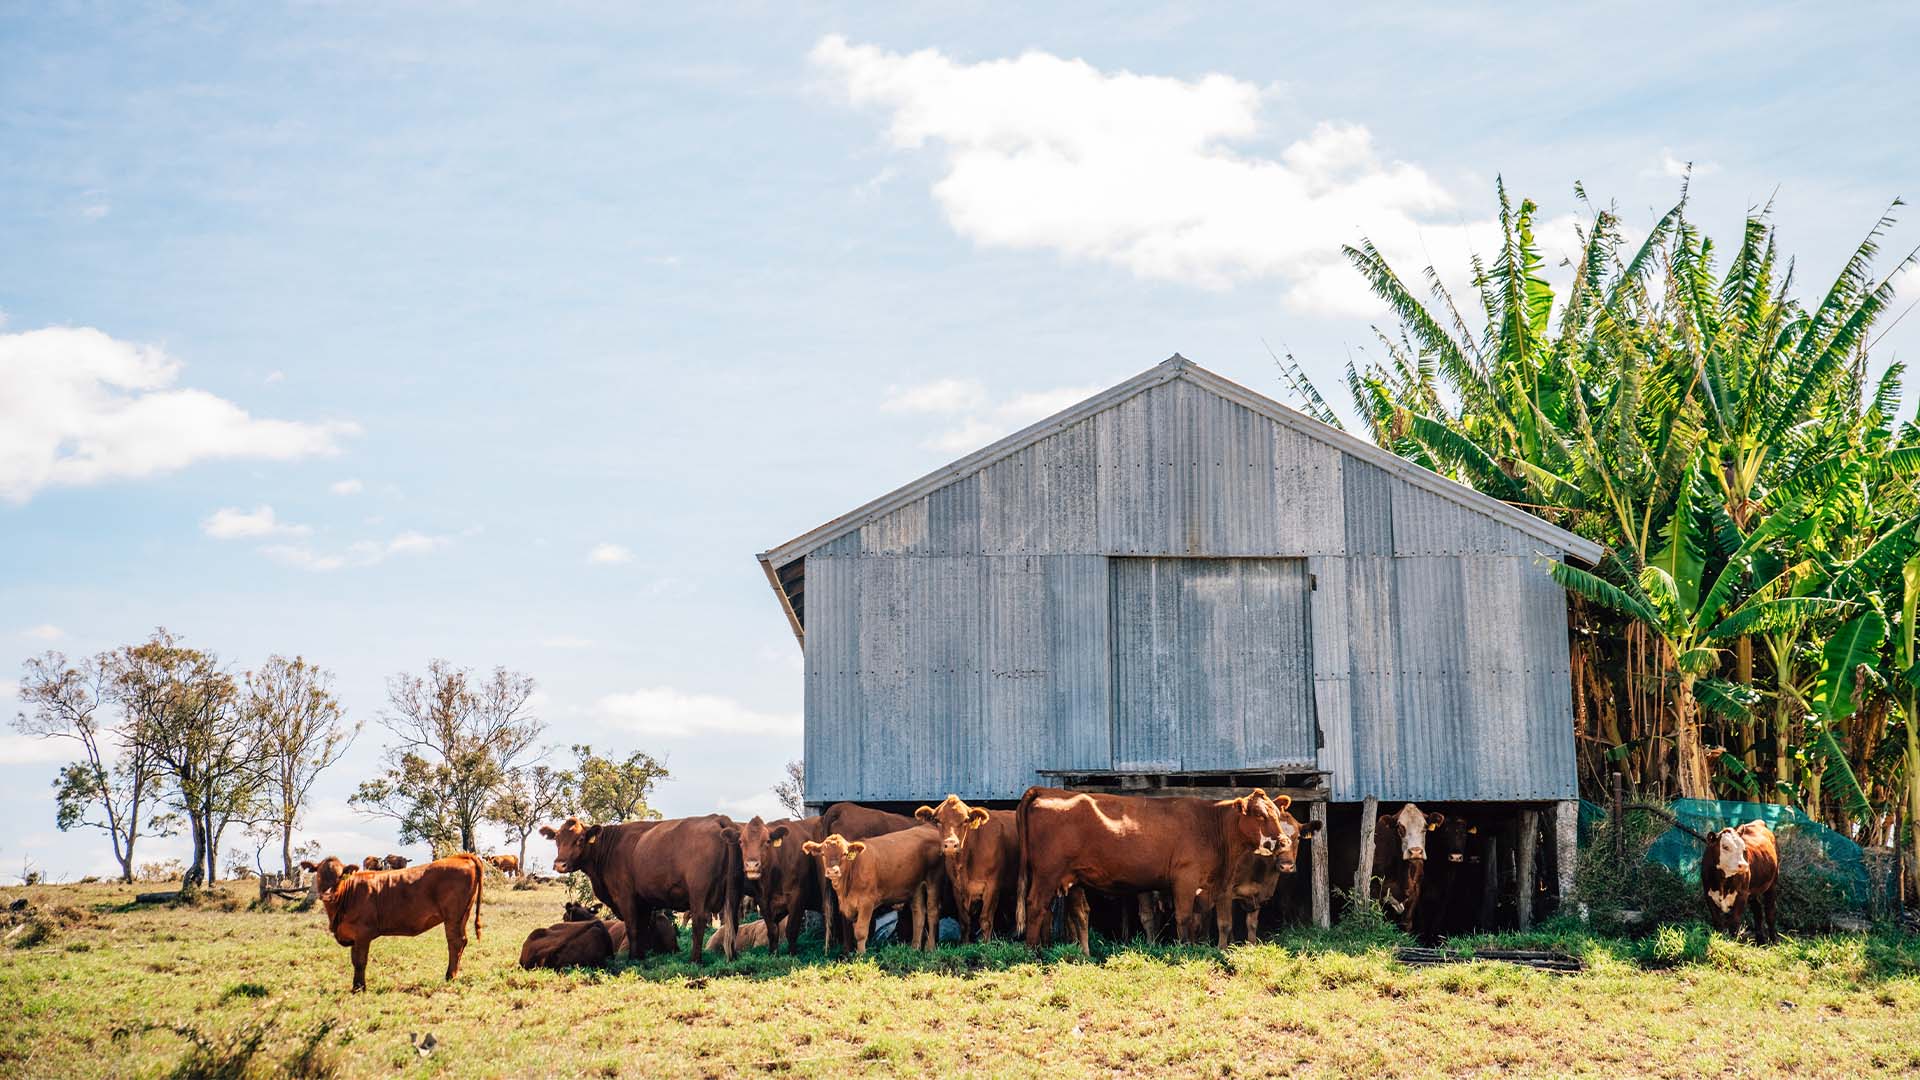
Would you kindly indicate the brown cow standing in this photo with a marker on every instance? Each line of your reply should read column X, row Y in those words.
column 784, row 880
column 1738, row 866
column 568, row 944
column 399, row 903
column 982, row 851
column 851, row 821
column 1256, row 879
column 508, row 865
column 394, row 862
column 1400, row 860
column 640, row 867
column 903, row 867
column 1188, row 847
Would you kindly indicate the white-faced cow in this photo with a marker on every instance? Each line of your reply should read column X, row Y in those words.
column 1742, row 866
column 1400, row 859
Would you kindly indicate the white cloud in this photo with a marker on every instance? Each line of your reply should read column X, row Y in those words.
column 1676, row 168
column 363, row 553
column 78, row 407
column 976, row 418
column 1142, row 172
column 668, row 713
column 44, row 632
column 233, row 523
column 609, row 554
column 941, row 395
column 274, row 377
column 345, row 487
column 34, row 750
column 566, row 641
column 94, row 211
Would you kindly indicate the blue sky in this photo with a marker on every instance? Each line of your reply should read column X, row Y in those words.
column 466, row 294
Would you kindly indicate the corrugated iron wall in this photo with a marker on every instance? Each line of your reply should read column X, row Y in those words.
column 972, row 637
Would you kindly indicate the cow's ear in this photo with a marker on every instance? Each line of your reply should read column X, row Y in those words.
column 925, row 813
column 1434, row 821
column 1308, row 828
column 731, row 834
column 976, row 817
column 1240, row 804
column 811, row 847
column 856, row 848
column 308, row 866
column 777, row 834
column 1283, row 801
column 593, row 835
column 1387, row 819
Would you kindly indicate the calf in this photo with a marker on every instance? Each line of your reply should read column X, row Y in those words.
column 362, row 906
column 508, row 865
column 851, row 821
column 983, row 860
column 640, row 867
column 1739, row 866
column 662, row 937
column 784, row 880
column 898, row 868
column 568, row 944
column 1188, row 847
column 1400, row 860
column 394, row 862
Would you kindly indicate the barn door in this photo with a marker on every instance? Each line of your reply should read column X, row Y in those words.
column 1212, row 666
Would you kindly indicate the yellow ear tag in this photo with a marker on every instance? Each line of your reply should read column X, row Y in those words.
column 592, row 840
column 776, row 842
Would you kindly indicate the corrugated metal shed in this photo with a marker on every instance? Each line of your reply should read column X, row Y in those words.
column 1181, row 574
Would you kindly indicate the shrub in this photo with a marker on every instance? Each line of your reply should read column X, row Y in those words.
column 164, row 870
column 1610, row 885
column 1811, row 886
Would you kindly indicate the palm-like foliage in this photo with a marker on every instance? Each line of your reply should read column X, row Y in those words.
column 1722, row 439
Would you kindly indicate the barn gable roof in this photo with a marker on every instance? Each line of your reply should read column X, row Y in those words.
column 778, row 561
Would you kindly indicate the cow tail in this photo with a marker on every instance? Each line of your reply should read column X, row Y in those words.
column 1020, row 833
column 479, row 883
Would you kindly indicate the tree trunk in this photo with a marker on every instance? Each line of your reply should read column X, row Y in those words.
column 1696, row 780
column 1913, row 781
column 192, row 877
column 523, row 855
column 1743, row 672
column 1782, row 744
column 286, row 849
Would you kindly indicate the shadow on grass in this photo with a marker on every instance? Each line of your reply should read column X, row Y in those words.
column 1874, row 957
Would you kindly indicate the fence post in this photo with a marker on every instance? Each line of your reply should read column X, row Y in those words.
column 1523, row 867
column 1369, row 811
column 1619, row 823
column 1322, row 900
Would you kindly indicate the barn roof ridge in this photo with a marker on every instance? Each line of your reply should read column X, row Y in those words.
column 1168, row 370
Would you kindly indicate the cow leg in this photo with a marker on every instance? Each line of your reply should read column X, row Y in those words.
column 1078, row 919
column 1253, row 924
column 930, row 920
column 1772, row 905
column 1147, row 906
column 698, row 916
column 360, row 949
column 1185, row 919
column 1039, row 905
column 989, row 907
column 1223, row 917
column 862, row 920
column 456, row 945
column 730, row 920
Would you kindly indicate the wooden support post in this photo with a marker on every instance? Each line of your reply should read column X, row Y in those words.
column 1369, row 810
column 1619, row 824
column 1322, row 890
column 1566, row 850
column 1523, row 868
column 1490, row 893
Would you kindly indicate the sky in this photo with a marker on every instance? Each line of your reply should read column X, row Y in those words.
column 508, row 334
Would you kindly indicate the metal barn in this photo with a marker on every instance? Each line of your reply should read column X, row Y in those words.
column 1182, row 585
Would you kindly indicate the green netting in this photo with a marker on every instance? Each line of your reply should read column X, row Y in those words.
column 1806, row 845
column 1592, row 816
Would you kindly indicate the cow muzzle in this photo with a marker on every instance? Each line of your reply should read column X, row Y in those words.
column 950, row 844
column 562, row 866
column 752, row 871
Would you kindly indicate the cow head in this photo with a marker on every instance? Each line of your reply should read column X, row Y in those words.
column 575, row 911
column 1729, row 851
column 1286, row 853
column 573, row 843
column 955, row 820
column 1450, row 839
column 836, row 856
column 758, row 841
column 371, row 862
column 1258, row 822
column 1411, row 825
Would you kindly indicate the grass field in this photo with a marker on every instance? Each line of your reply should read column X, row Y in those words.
column 129, row 991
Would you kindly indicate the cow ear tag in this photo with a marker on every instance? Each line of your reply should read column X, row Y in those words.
column 776, row 842
column 592, row 840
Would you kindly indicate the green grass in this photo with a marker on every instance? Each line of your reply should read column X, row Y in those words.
column 203, row 991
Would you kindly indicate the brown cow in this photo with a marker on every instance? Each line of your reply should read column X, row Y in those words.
column 394, row 862
column 399, row 903
column 1400, row 860
column 1256, row 879
column 983, row 859
column 665, row 937
column 371, row 862
column 568, row 944
column 1741, row 865
column 851, row 821
column 640, row 867
column 1187, row 847
column 751, row 934
column 903, row 867
column 785, row 882
column 508, row 865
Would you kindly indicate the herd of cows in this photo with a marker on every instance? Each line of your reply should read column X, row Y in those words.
column 1199, row 862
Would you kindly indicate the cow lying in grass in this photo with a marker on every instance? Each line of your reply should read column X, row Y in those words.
column 1742, row 866
column 904, row 867
column 569, row 944
column 362, row 905
column 662, row 936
